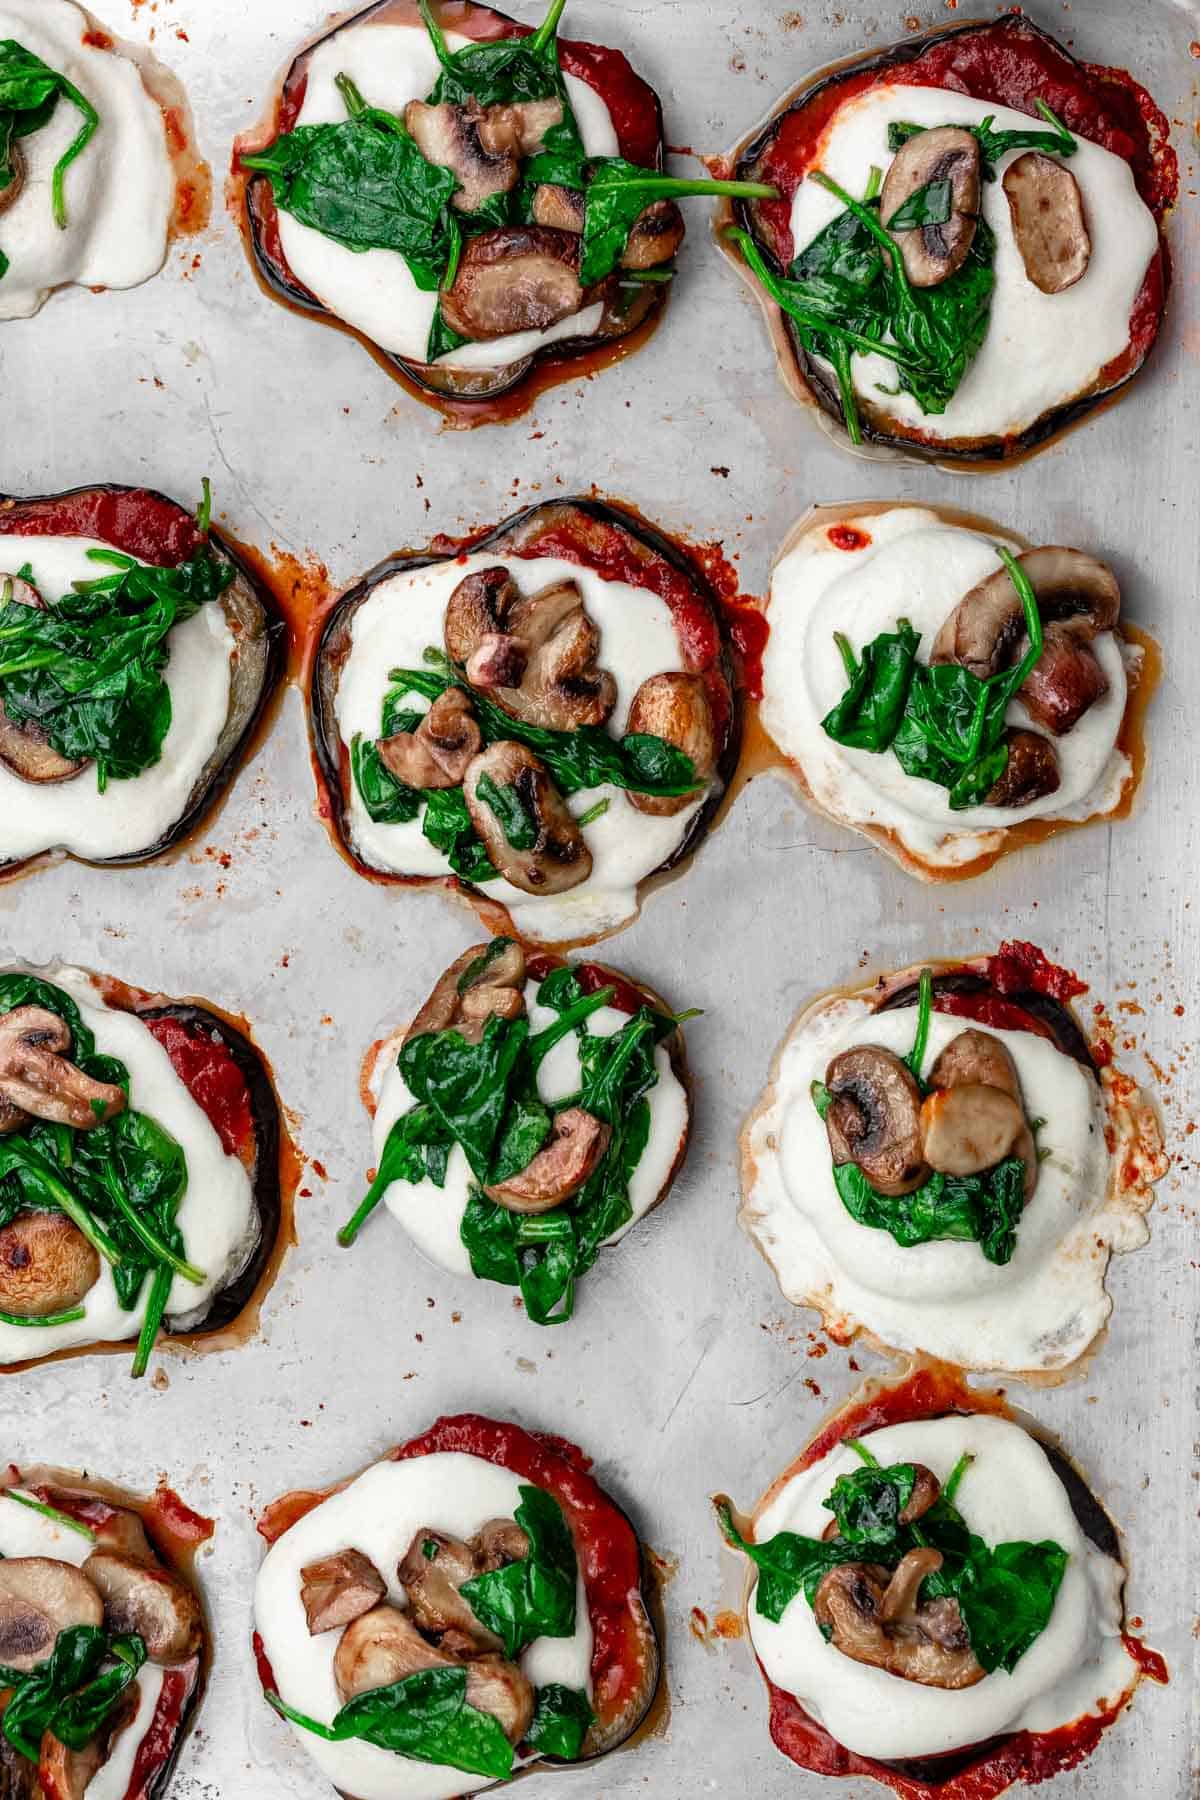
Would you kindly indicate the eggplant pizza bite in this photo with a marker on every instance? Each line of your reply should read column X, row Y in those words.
column 967, row 250
column 137, row 652
column 529, row 1116
column 530, row 215
column 945, row 689
column 540, row 722
column 935, row 1598
column 88, row 184
column 469, row 1606
column 942, row 1162
column 139, row 1167
column 103, row 1640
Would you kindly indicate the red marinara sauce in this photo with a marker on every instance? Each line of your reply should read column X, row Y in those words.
column 134, row 520
column 848, row 537
column 204, row 1063
column 592, row 977
column 932, row 1390
column 158, row 1742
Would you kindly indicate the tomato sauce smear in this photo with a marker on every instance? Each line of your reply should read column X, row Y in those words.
column 135, row 521
column 204, row 1063
column 930, row 1392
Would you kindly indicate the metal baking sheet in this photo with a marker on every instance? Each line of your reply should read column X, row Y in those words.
column 684, row 1370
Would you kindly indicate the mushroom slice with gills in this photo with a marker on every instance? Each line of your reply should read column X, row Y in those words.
column 47, row 1265
column 869, row 1613
column 385, row 1645
column 656, row 236
column 25, row 748
column 39, row 1597
column 1078, row 598
column 542, row 667
column 558, row 859
column 148, row 1600
column 559, row 208
column 947, row 154
column 1048, row 223
column 515, row 278
column 431, row 1572
column 676, row 708
column 10, row 194
column 488, row 979
column 338, row 1589
column 437, row 753
column 1031, row 772
column 453, row 137
column 874, row 1118
column 36, row 1075
column 968, row 1129
column 571, row 1156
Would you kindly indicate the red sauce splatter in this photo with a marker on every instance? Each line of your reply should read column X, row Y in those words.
column 1019, row 967
column 1150, row 1662
column 159, row 1740
column 203, row 1062
column 266, row 1673
column 749, row 630
column 140, row 523
column 848, row 537
column 172, row 1520
column 176, row 134
column 98, row 40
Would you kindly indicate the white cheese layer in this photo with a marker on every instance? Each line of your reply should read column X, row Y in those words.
column 119, row 193
column 129, row 816
column 1041, row 350
column 432, row 1216
column 216, row 1215
column 373, row 290
column 918, row 567
column 24, row 1532
column 1039, row 1311
column 392, row 629
column 1078, row 1666
column 378, row 1515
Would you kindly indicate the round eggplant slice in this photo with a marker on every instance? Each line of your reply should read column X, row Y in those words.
column 619, row 546
column 166, row 1534
column 638, row 120
column 142, row 523
column 986, row 59
column 231, row 1082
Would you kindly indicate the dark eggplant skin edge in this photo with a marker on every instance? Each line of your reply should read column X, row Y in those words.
column 210, row 786
column 984, row 450
column 323, row 693
column 492, row 384
column 1064, row 1027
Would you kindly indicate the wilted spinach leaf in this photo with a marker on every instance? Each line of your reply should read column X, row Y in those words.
column 534, row 1597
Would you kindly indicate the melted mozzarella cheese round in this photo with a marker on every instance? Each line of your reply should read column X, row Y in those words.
column 914, row 566
column 1039, row 1311
column 1077, row 1666
column 378, row 1514
column 392, row 629
column 129, row 816
column 1041, row 350
column 24, row 1532
column 373, row 290
column 119, row 193
column 433, row 1216
column 216, row 1215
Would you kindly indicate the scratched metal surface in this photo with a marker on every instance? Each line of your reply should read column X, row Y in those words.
column 683, row 1370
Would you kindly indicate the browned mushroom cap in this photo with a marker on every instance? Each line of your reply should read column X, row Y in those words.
column 926, row 1489
column 539, row 660
column 558, row 859
column 977, row 1059
column 559, row 208
column 969, row 1128
column 150, row 1601
column 385, row 1645
column 431, row 1572
column 871, row 1615
column 122, row 1531
column 515, row 278
column 875, row 1118
column 498, row 1543
column 36, row 1076
column 337, row 1589
column 656, row 236
column 436, row 754
column 16, row 161
column 25, row 748
column 453, row 137
column 1047, row 220
column 487, row 979
column 1065, row 681
column 39, row 1597
column 1031, row 772
column 573, row 1150
column 46, row 1265
column 933, row 252
column 519, row 130
column 675, row 707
